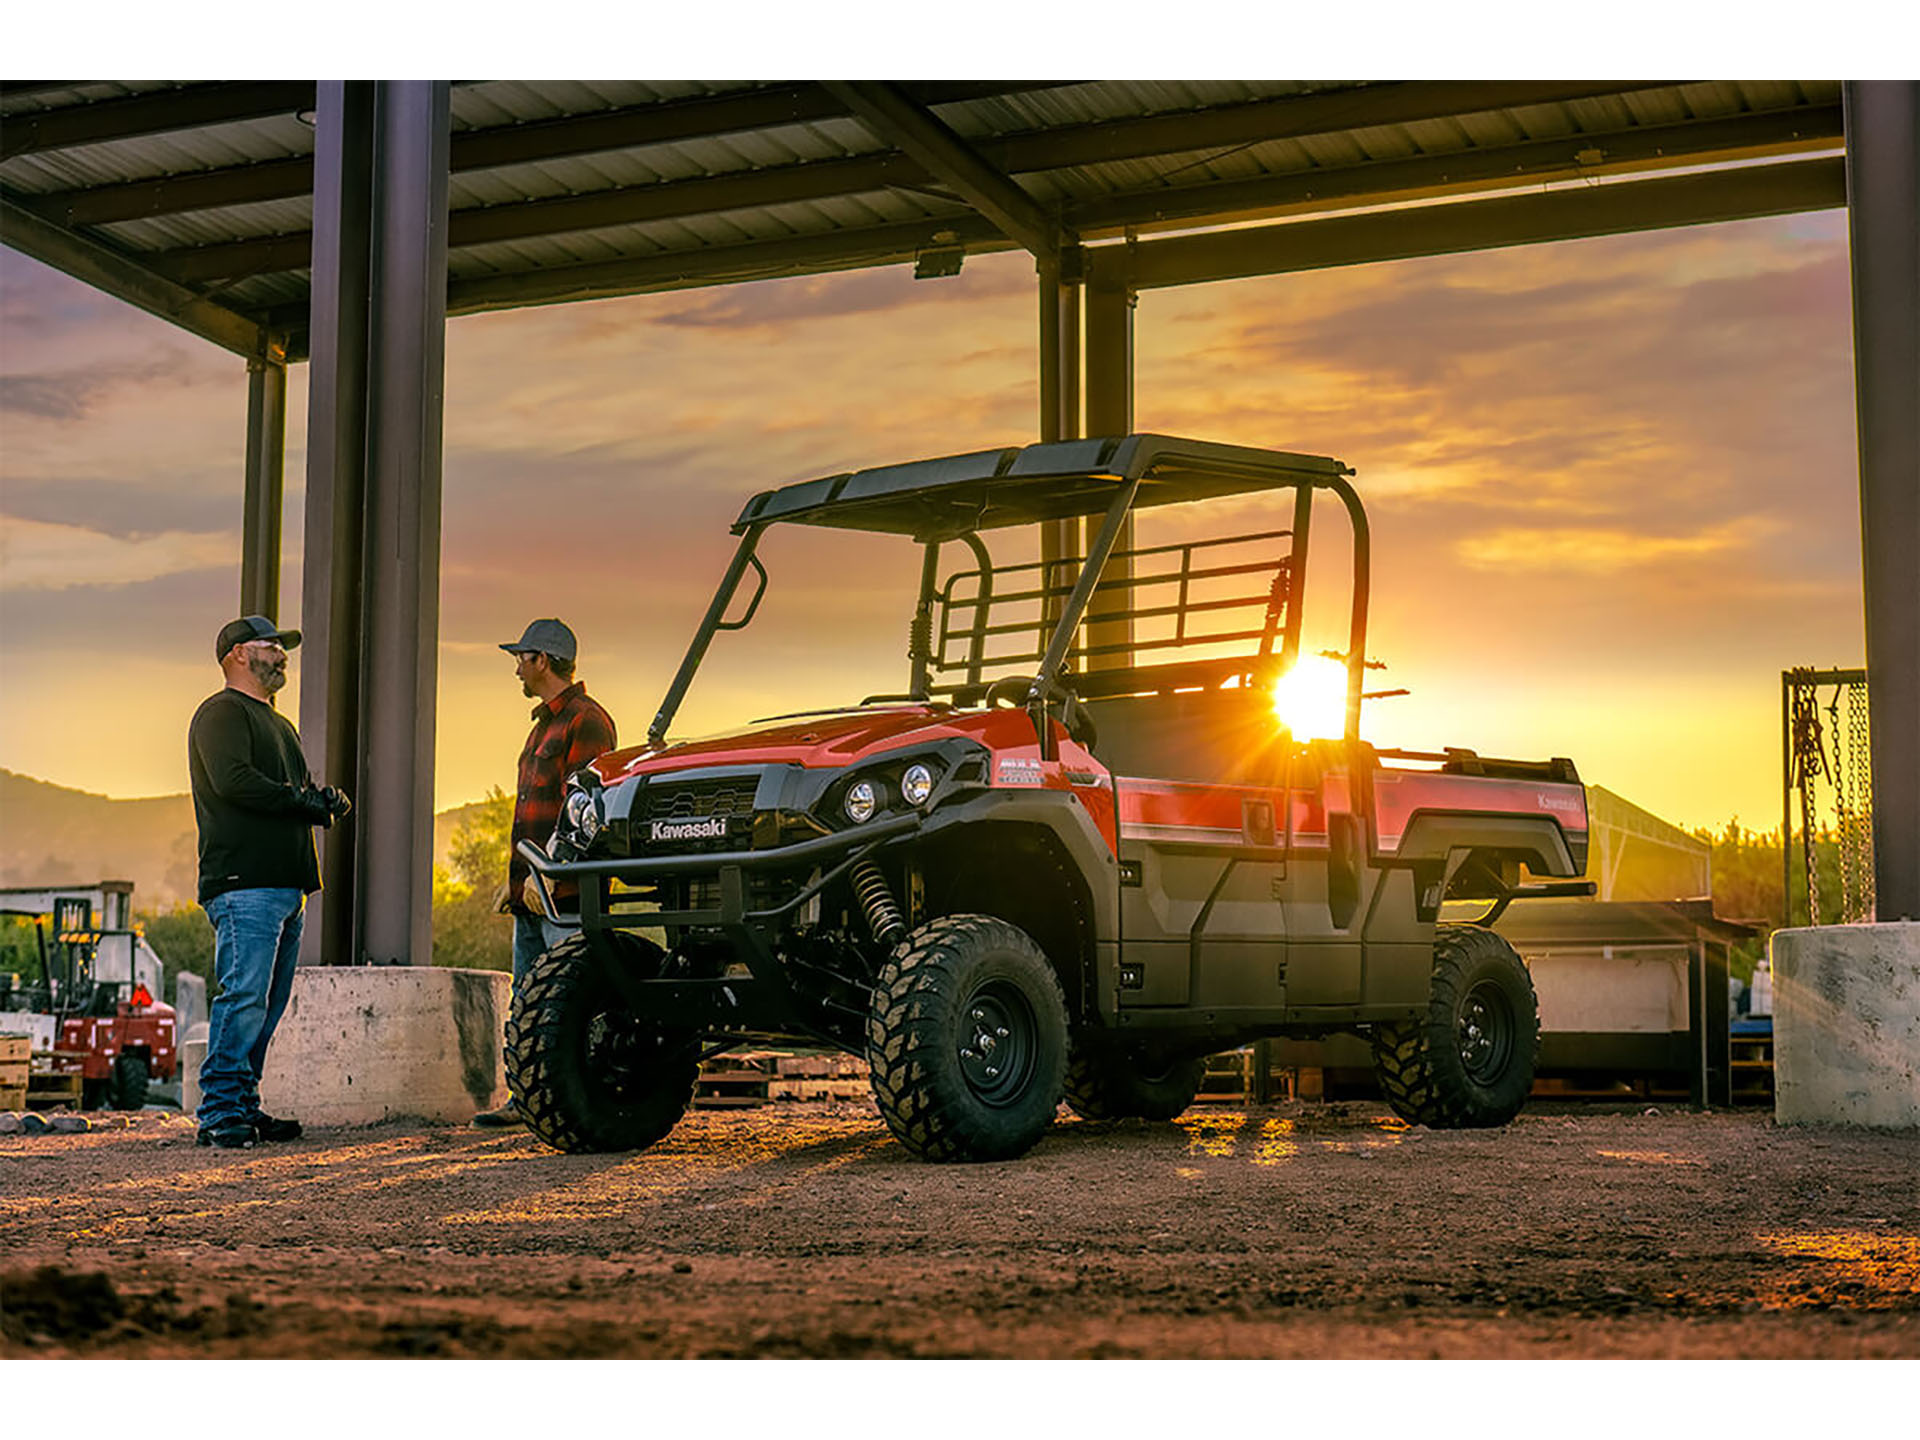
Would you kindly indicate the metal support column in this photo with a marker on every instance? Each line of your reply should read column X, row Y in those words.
column 373, row 571
column 1110, row 300
column 332, row 581
column 266, row 487
column 405, row 399
column 1883, row 224
column 1059, row 415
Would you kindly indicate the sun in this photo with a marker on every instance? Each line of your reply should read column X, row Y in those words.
column 1310, row 699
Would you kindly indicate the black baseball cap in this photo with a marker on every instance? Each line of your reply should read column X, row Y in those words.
column 545, row 637
column 249, row 628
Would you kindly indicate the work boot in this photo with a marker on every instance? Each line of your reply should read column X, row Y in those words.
column 270, row 1129
column 506, row 1116
column 228, row 1135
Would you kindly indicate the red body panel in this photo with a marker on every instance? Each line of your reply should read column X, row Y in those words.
column 148, row 1028
column 1215, row 812
column 1145, row 808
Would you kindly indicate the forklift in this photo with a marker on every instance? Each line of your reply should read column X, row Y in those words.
column 99, row 1032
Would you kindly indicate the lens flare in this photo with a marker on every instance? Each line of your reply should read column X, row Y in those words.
column 1311, row 698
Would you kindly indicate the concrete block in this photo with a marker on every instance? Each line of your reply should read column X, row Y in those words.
column 363, row 1044
column 189, row 1001
column 1846, row 1025
column 193, row 1053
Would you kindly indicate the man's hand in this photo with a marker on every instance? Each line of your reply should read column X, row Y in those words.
column 337, row 803
column 503, row 899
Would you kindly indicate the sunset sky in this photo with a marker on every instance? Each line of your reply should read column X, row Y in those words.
column 1612, row 484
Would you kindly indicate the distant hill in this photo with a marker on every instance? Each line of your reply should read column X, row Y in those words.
column 52, row 835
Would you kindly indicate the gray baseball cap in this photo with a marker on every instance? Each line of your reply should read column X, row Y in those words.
column 549, row 637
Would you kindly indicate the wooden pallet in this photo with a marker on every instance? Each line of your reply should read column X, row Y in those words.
column 806, row 1087
column 15, row 1048
column 50, row 1092
column 12, row 1097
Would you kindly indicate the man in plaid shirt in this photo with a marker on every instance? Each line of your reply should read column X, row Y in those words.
column 569, row 730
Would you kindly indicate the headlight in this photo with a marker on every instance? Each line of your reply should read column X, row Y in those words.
column 916, row 785
column 863, row 798
column 582, row 815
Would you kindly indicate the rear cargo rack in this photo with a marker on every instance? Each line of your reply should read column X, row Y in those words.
column 995, row 620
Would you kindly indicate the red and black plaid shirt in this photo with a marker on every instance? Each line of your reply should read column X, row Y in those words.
column 568, row 732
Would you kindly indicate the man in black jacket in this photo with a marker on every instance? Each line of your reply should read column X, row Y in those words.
column 255, row 804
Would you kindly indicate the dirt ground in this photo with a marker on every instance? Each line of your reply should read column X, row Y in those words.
column 803, row 1230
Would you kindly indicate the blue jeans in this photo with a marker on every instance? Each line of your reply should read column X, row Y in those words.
column 533, row 936
column 256, row 943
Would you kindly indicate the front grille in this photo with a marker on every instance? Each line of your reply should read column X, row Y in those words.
column 700, row 799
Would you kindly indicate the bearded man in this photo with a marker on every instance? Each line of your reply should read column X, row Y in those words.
column 255, row 805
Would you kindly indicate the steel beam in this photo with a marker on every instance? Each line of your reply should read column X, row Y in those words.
column 110, row 270
column 333, row 578
column 1059, row 412
column 188, row 108
column 1619, row 150
column 1109, row 379
column 885, row 110
column 399, row 668
column 631, row 127
column 1883, row 218
column 1587, row 155
column 266, row 488
column 807, row 255
column 1741, row 193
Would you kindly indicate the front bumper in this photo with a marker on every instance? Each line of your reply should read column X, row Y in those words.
column 764, row 1002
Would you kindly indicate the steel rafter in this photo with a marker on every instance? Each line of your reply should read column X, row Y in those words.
column 894, row 118
column 817, row 180
column 189, row 107
column 493, row 147
column 112, row 271
column 1739, row 193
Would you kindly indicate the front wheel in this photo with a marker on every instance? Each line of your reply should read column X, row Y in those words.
column 967, row 1041
column 127, row 1084
column 586, row 1073
column 1468, row 1062
column 1106, row 1082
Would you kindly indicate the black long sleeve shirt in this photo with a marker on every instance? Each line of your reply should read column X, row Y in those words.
column 248, row 778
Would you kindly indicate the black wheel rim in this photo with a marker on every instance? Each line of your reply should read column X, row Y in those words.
column 621, row 1053
column 1486, row 1033
column 998, row 1042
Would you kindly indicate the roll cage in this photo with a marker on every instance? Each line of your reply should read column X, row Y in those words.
column 955, row 628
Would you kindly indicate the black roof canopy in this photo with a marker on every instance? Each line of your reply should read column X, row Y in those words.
column 1023, row 485
column 195, row 200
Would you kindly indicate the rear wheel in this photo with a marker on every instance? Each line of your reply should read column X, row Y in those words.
column 967, row 1040
column 127, row 1083
column 586, row 1073
column 1469, row 1061
column 1106, row 1082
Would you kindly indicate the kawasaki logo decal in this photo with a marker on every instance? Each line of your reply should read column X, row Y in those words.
column 712, row 828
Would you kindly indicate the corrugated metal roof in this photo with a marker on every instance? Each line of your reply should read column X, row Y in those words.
column 208, row 186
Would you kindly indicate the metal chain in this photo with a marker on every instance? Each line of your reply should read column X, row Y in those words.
column 1842, row 813
column 1809, row 763
column 1860, row 776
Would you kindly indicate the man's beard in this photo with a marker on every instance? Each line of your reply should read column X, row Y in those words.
column 270, row 674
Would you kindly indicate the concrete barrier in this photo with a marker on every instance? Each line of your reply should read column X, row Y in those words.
column 193, row 1054
column 363, row 1044
column 1846, row 1025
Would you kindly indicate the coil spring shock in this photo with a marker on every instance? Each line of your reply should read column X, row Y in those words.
column 883, row 913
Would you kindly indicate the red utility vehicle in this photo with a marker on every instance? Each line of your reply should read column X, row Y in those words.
column 1077, row 854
